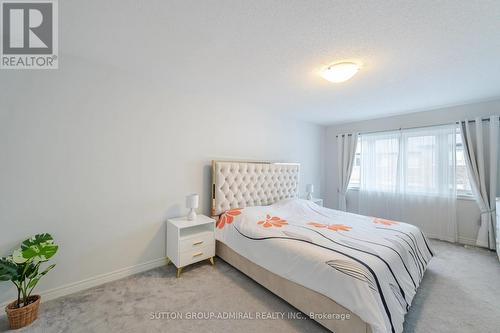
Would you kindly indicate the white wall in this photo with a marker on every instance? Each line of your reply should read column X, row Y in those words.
column 467, row 210
column 100, row 153
column 102, row 175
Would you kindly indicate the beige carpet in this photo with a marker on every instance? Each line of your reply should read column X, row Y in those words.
column 460, row 293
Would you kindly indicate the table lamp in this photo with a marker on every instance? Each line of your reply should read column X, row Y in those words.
column 192, row 203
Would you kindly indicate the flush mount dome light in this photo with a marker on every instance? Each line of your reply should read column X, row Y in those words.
column 340, row 72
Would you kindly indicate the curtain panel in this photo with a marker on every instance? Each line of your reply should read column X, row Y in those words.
column 409, row 175
column 481, row 140
column 346, row 149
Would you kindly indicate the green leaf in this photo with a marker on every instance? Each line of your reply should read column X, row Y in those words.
column 47, row 270
column 17, row 256
column 34, row 281
column 8, row 269
column 22, row 269
column 32, row 270
column 39, row 248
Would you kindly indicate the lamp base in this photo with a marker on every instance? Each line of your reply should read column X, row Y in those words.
column 191, row 215
column 309, row 196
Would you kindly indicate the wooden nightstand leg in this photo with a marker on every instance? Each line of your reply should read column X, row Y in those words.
column 179, row 271
column 212, row 260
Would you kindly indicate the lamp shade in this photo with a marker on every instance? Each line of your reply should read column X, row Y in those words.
column 309, row 188
column 192, row 201
column 340, row 72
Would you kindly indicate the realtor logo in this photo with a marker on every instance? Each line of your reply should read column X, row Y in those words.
column 29, row 34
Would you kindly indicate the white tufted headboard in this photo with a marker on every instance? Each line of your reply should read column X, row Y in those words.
column 242, row 184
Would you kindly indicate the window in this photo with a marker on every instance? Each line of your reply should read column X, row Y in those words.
column 379, row 162
column 419, row 161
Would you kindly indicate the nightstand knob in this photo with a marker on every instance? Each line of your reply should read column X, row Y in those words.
column 197, row 254
column 198, row 243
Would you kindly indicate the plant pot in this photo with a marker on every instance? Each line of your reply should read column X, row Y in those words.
column 20, row 317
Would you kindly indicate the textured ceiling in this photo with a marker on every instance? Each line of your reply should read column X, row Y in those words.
column 415, row 54
column 265, row 55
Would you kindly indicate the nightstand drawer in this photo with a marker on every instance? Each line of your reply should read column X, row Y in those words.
column 197, row 241
column 192, row 256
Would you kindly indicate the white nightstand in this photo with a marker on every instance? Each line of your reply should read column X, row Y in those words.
column 190, row 241
column 317, row 201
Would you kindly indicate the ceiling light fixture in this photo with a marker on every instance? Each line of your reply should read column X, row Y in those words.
column 340, row 72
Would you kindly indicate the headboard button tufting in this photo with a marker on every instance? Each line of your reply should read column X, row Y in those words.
column 242, row 184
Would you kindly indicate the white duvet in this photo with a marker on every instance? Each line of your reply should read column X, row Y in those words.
column 368, row 265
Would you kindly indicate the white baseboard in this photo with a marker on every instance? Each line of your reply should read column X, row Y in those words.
column 460, row 240
column 467, row 241
column 74, row 287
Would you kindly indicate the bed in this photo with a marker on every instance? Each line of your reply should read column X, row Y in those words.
column 351, row 273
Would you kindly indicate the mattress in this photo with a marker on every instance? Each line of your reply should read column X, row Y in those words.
column 369, row 265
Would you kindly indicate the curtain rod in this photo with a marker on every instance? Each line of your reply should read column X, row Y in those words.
column 407, row 128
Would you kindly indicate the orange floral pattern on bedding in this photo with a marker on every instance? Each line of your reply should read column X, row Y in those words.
column 228, row 217
column 332, row 227
column 384, row 221
column 272, row 221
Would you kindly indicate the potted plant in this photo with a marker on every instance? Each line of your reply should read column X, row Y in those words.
column 23, row 269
